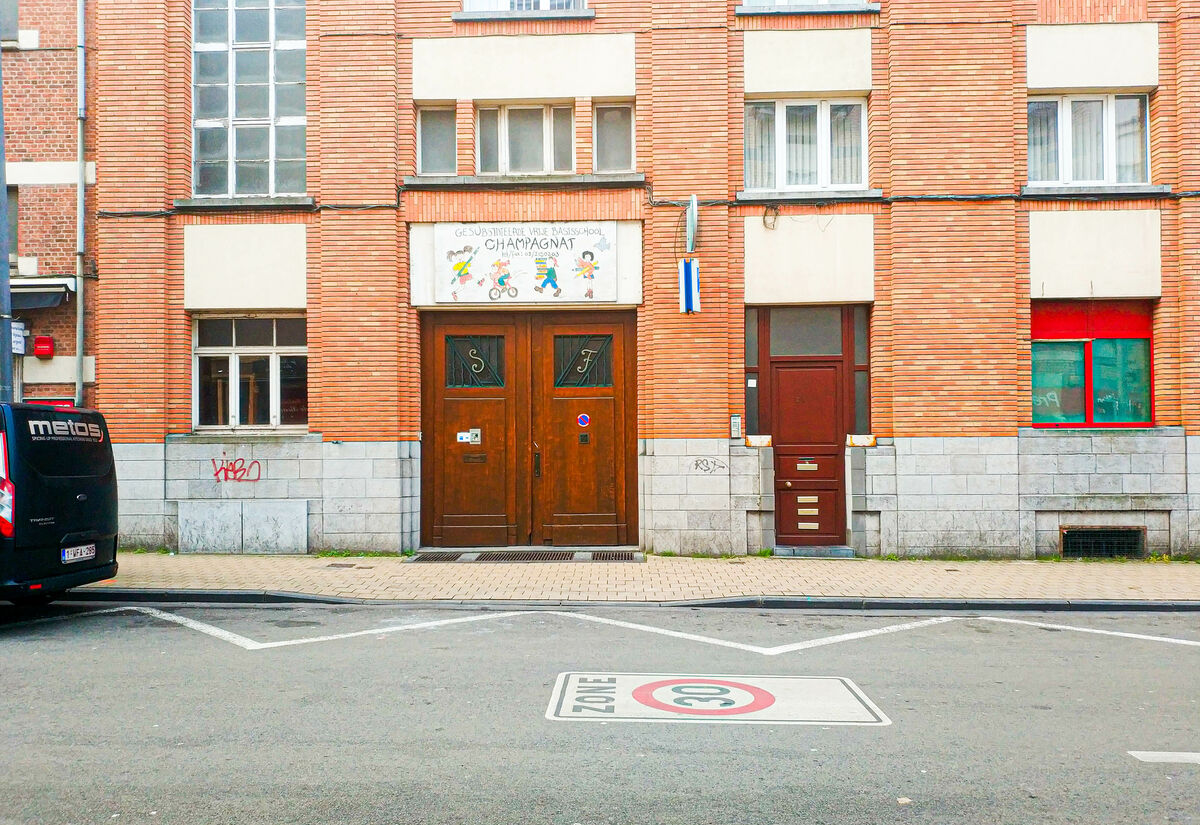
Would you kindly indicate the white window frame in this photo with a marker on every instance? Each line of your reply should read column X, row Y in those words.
column 824, row 144
column 633, row 158
column 1065, row 156
column 502, row 159
column 230, row 123
column 506, row 5
column 233, row 353
column 420, row 171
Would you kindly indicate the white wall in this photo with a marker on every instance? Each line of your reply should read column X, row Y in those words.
column 810, row 259
column 818, row 61
column 245, row 266
column 1092, row 56
column 525, row 67
column 1095, row 254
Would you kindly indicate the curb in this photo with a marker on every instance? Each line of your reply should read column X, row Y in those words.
column 739, row 602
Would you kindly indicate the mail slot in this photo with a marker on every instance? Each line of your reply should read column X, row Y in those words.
column 808, row 525
column 474, row 458
column 807, row 464
column 810, row 467
column 808, row 511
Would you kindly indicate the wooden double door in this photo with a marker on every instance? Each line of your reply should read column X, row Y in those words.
column 529, row 434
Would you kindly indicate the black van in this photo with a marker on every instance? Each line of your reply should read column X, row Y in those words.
column 58, row 501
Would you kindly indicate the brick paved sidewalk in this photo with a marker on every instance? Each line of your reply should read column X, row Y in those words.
column 661, row 579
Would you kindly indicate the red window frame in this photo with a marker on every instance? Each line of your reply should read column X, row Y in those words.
column 1086, row 321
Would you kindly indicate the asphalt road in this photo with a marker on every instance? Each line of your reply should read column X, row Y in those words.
column 254, row 715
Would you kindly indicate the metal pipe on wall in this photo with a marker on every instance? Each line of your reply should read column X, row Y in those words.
column 80, row 195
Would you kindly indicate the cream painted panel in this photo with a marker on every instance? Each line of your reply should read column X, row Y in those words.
column 47, row 173
column 245, row 266
column 526, row 67
column 810, row 259
column 822, row 61
column 1092, row 56
column 57, row 370
column 421, row 265
column 1095, row 254
column 629, row 262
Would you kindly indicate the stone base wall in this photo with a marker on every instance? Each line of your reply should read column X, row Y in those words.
column 705, row 496
column 269, row 494
column 1010, row 496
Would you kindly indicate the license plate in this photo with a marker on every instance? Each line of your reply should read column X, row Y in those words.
column 85, row 551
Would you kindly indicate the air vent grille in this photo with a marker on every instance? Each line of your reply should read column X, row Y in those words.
column 1103, row 542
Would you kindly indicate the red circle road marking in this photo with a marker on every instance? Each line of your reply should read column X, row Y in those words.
column 645, row 695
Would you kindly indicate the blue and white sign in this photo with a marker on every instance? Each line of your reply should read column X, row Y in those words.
column 689, row 285
column 18, row 337
column 584, row 419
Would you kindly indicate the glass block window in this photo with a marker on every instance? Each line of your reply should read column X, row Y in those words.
column 248, row 98
column 583, row 361
column 474, row 361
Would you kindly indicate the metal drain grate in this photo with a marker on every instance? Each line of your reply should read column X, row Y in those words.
column 437, row 557
column 1103, row 542
column 526, row 555
column 612, row 555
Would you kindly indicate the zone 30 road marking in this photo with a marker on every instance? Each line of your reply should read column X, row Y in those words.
column 250, row 644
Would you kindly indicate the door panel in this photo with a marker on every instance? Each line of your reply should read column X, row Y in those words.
column 550, row 398
column 809, row 411
column 579, row 429
column 471, row 384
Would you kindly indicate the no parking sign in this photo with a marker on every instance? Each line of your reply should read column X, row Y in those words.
column 761, row 700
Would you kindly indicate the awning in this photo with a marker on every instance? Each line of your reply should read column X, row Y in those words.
column 40, row 293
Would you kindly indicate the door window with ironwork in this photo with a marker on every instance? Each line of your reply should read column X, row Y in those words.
column 583, row 361
column 474, row 361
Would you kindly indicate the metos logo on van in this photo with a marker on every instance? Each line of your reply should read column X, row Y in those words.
column 42, row 429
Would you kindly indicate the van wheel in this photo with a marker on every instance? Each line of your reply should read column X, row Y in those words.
column 33, row 599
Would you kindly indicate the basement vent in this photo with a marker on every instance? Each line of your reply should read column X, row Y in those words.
column 529, row 555
column 437, row 556
column 1103, row 542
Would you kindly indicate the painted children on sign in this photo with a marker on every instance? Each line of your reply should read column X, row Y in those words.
column 563, row 262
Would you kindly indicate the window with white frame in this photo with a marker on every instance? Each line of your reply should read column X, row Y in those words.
column 523, row 5
column 248, row 109
column 806, row 144
column 437, row 142
column 791, row 2
column 526, row 140
column 613, row 138
column 251, row 372
column 1089, row 139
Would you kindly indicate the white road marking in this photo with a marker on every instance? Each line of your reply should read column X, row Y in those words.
column 1180, row 758
column 390, row 629
column 192, row 624
column 765, row 651
column 66, row 616
column 1164, row 639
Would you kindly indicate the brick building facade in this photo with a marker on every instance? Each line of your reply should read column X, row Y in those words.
column 395, row 274
column 40, row 55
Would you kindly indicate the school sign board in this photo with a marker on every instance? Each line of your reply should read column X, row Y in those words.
column 522, row 263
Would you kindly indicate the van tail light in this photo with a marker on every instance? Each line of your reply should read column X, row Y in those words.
column 8, row 493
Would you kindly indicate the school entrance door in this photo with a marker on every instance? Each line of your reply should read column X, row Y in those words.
column 808, row 387
column 529, row 429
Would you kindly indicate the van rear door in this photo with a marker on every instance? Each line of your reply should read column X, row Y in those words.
column 62, row 469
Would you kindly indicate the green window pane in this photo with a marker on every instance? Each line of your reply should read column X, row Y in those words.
column 1058, row 382
column 1121, row 380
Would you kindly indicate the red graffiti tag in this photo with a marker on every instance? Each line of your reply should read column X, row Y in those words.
column 236, row 470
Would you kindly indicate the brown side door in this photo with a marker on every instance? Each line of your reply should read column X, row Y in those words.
column 529, row 432
column 810, row 437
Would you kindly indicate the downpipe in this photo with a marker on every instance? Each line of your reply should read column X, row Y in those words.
column 80, row 194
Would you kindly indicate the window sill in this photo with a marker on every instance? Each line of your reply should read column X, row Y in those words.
column 279, row 202
column 809, row 8
column 1050, row 430
column 534, row 14
column 813, row 196
column 1118, row 190
column 222, row 435
column 627, row 180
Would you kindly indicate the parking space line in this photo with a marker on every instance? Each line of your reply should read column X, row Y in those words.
column 1178, row 758
column 765, row 651
column 389, row 629
column 207, row 629
column 1142, row 636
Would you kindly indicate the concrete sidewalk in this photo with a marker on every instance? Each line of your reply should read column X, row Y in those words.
column 657, row 580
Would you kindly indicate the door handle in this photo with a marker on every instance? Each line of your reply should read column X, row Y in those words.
column 787, row 484
column 537, row 465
